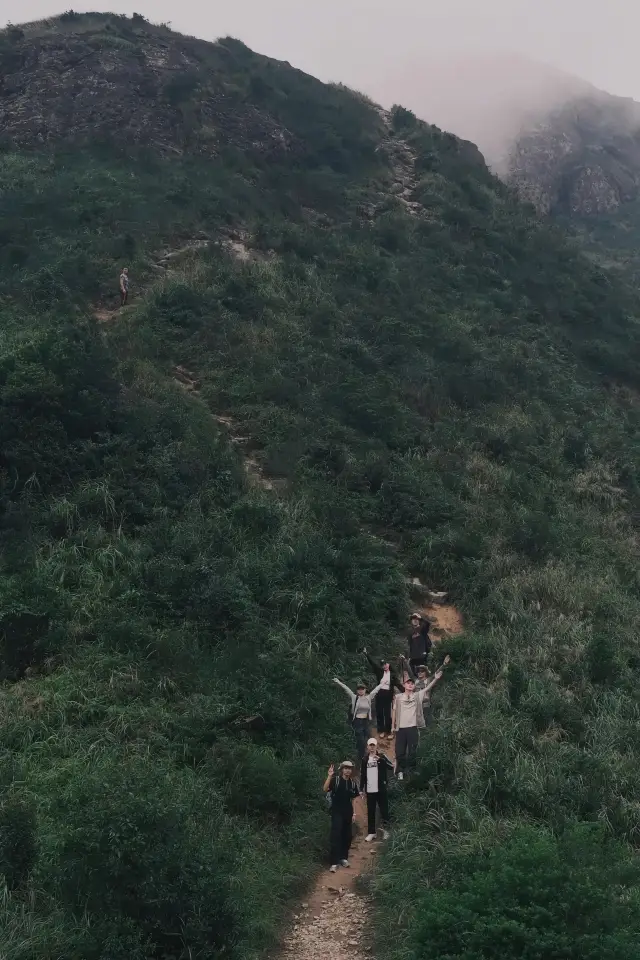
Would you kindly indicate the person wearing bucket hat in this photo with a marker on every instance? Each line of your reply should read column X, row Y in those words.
column 343, row 790
column 374, row 773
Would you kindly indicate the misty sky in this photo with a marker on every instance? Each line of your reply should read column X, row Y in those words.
column 355, row 41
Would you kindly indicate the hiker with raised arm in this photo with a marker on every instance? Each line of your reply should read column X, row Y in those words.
column 421, row 681
column 374, row 773
column 384, row 699
column 360, row 712
column 342, row 790
column 408, row 720
column 419, row 641
column 124, row 286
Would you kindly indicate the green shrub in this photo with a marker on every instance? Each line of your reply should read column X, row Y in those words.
column 536, row 896
column 427, row 395
column 18, row 841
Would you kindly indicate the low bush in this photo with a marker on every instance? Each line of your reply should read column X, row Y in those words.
column 536, row 897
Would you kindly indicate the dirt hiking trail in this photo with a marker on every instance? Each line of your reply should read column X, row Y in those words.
column 334, row 922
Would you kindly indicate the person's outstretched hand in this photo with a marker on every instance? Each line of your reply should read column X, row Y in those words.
column 335, row 680
column 331, row 771
column 364, row 649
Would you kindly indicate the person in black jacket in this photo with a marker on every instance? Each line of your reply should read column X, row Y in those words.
column 419, row 641
column 343, row 790
column 374, row 773
column 384, row 699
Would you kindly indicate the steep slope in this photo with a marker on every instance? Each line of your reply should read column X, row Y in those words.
column 488, row 99
column 566, row 146
column 433, row 384
column 581, row 159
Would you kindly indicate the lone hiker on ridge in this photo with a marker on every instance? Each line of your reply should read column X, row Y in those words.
column 124, row 286
column 374, row 772
column 343, row 790
column 360, row 712
column 384, row 698
column 419, row 641
column 408, row 720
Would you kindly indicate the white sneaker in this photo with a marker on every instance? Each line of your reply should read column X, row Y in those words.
column 401, row 775
column 333, row 868
column 344, row 863
column 369, row 837
column 385, row 834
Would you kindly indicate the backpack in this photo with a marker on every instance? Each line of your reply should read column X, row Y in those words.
column 328, row 798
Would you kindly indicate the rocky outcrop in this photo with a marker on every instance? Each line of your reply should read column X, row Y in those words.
column 125, row 80
column 583, row 159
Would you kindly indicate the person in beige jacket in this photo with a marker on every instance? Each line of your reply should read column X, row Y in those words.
column 408, row 720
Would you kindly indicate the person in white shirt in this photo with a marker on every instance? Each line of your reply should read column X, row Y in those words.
column 360, row 713
column 408, row 720
column 374, row 772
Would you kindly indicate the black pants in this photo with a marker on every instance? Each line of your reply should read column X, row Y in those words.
column 384, row 700
column 362, row 730
column 341, row 832
column 382, row 801
column 406, row 747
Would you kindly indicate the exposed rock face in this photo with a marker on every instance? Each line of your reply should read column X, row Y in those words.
column 125, row 78
column 583, row 159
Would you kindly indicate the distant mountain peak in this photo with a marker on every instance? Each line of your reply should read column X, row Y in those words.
column 563, row 143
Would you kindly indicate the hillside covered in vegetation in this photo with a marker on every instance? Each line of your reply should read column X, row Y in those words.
column 350, row 358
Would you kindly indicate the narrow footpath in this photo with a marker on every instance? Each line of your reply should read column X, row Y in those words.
column 331, row 924
column 334, row 922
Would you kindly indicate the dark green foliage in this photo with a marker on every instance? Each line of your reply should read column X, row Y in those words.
column 601, row 659
column 517, row 683
column 536, row 897
column 450, row 394
column 180, row 86
column 18, row 843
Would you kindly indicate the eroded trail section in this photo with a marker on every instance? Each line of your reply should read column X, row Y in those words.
column 333, row 923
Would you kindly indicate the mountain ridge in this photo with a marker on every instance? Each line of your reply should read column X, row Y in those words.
column 366, row 363
column 566, row 146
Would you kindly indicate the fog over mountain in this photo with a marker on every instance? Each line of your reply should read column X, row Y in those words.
column 364, row 42
column 487, row 99
column 487, row 74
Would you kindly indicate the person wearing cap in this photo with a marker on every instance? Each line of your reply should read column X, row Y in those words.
column 374, row 772
column 360, row 712
column 419, row 641
column 384, row 699
column 408, row 720
column 343, row 790
column 421, row 681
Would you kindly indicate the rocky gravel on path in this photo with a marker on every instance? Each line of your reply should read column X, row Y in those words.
column 334, row 929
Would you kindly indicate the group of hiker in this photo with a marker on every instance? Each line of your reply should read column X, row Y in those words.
column 402, row 710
